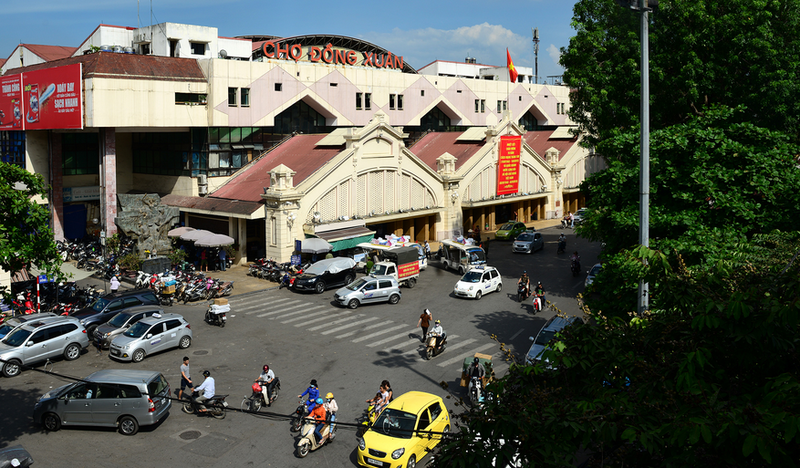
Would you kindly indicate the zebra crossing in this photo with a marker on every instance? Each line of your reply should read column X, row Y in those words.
column 384, row 335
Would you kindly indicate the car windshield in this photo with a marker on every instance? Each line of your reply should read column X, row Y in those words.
column 595, row 270
column 137, row 330
column 100, row 304
column 395, row 423
column 525, row 237
column 157, row 385
column 119, row 320
column 545, row 336
column 356, row 285
column 5, row 329
column 379, row 270
column 476, row 255
column 17, row 337
column 472, row 277
column 506, row 227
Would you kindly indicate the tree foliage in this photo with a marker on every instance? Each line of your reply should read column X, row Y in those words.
column 715, row 383
column 26, row 238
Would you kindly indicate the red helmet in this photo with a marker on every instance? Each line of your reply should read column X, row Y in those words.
column 266, row 368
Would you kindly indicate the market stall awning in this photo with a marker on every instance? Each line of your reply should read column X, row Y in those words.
column 346, row 238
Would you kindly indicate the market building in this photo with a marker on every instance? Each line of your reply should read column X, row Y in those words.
column 270, row 139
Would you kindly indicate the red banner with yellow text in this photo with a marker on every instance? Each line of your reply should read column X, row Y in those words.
column 508, row 164
column 52, row 98
column 11, row 102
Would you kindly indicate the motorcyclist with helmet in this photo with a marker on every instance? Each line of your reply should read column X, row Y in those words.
column 313, row 394
column 439, row 332
column 331, row 407
column 525, row 281
column 208, row 388
column 318, row 413
column 267, row 382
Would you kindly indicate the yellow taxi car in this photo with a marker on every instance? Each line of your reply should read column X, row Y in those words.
column 404, row 432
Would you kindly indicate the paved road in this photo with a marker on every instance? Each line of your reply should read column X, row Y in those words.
column 301, row 336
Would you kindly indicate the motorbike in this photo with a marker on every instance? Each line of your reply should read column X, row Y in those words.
column 255, row 401
column 565, row 224
column 575, row 267
column 476, row 394
column 299, row 414
column 215, row 406
column 537, row 303
column 225, row 289
column 522, row 292
column 308, row 441
column 217, row 314
column 431, row 350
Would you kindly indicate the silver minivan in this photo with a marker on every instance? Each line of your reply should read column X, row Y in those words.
column 151, row 335
column 368, row 290
column 18, row 320
column 40, row 340
column 121, row 398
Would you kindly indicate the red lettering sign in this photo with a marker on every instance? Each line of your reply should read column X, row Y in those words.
column 330, row 55
column 508, row 164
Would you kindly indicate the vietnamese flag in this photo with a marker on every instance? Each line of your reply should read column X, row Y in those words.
column 512, row 72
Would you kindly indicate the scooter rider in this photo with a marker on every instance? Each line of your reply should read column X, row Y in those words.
column 267, row 381
column 539, row 291
column 313, row 394
column 562, row 243
column 331, row 406
column 525, row 281
column 476, row 370
column 319, row 416
column 439, row 332
column 208, row 387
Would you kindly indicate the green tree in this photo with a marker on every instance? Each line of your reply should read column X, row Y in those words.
column 716, row 384
column 25, row 235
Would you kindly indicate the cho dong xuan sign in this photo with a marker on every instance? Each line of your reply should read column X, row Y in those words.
column 328, row 54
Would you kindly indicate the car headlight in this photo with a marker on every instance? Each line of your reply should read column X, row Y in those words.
column 361, row 444
column 470, row 288
column 312, row 280
column 398, row 453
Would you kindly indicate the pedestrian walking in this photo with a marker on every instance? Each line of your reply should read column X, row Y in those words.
column 203, row 260
column 427, row 250
column 223, row 259
column 424, row 322
column 186, row 380
column 114, row 284
column 485, row 246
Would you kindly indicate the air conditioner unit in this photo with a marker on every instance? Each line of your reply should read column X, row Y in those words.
column 202, row 185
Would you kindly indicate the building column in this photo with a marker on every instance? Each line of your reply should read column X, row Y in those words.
column 57, row 186
column 108, row 180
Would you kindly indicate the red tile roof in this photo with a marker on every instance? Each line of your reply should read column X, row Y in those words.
column 299, row 154
column 130, row 66
column 50, row 52
column 540, row 141
column 435, row 144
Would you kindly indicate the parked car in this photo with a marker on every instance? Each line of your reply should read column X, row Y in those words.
column 394, row 439
column 107, row 306
column 151, row 335
column 577, row 217
column 41, row 340
column 326, row 273
column 105, row 334
column 591, row 274
column 479, row 281
column 528, row 242
column 546, row 334
column 369, row 290
column 120, row 398
column 12, row 323
column 510, row 230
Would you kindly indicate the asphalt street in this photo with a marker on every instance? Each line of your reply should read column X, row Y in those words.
column 301, row 337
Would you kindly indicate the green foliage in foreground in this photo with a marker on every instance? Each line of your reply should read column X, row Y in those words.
column 711, row 379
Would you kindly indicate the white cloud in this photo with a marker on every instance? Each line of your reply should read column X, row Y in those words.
column 555, row 53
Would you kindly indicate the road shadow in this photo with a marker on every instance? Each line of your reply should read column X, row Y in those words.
column 15, row 419
column 516, row 329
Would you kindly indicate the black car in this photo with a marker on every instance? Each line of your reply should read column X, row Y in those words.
column 325, row 274
column 107, row 306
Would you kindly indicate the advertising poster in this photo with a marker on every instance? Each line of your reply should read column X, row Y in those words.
column 11, row 102
column 52, row 98
column 508, row 164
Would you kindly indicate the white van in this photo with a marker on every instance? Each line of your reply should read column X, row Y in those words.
column 460, row 257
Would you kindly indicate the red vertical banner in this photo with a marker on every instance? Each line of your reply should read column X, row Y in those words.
column 508, row 164
column 53, row 98
column 11, row 103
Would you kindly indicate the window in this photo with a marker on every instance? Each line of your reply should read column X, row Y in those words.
column 371, row 286
column 499, row 106
column 190, row 98
column 424, row 420
column 278, row 87
column 144, row 49
column 333, row 85
column 12, row 148
column 422, row 92
column 391, row 101
column 129, row 391
column 385, row 284
column 173, row 47
column 505, row 105
column 477, row 105
column 79, row 153
column 358, row 101
column 435, row 409
column 175, row 323
column 156, row 329
column 198, row 48
column 160, row 153
column 232, row 97
column 399, row 102
column 273, row 225
column 245, row 97
column 367, row 101
column 483, row 106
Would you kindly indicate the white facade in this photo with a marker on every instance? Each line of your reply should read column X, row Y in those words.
column 476, row 71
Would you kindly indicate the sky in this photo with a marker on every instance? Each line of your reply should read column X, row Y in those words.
column 420, row 31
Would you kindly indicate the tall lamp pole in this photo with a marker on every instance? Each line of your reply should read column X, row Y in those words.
column 643, row 7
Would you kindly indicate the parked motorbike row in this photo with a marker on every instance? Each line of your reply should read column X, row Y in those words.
column 88, row 255
column 181, row 286
column 61, row 299
column 277, row 272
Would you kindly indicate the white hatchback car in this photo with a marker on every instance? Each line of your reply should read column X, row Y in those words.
column 479, row 281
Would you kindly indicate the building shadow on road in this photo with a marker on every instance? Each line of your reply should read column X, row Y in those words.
column 15, row 419
column 511, row 328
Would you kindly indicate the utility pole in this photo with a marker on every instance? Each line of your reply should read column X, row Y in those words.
column 536, row 55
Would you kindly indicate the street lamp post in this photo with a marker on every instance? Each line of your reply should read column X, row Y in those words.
column 643, row 8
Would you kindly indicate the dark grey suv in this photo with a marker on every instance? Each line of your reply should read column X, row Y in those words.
column 107, row 306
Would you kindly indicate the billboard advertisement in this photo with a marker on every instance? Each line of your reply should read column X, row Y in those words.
column 52, row 98
column 11, row 102
column 508, row 164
